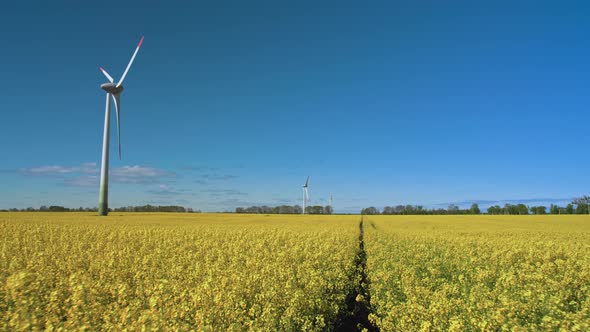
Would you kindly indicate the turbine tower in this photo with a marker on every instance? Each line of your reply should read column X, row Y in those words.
column 331, row 207
column 113, row 91
column 305, row 194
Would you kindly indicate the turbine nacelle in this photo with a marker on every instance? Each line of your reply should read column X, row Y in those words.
column 112, row 88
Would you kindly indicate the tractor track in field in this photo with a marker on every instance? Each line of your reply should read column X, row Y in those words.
column 355, row 317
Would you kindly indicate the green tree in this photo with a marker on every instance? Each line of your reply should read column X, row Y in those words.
column 474, row 209
column 370, row 210
column 496, row 209
column 582, row 208
column 538, row 210
column 522, row 209
column 388, row 210
column 453, row 209
column 510, row 209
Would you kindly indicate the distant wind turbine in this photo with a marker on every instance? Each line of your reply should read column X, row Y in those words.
column 305, row 194
column 113, row 91
column 331, row 207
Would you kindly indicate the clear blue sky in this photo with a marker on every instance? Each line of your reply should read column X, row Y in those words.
column 235, row 103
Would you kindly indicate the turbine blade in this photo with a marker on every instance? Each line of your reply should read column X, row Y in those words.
column 130, row 62
column 306, row 181
column 106, row 74
column 116, row 100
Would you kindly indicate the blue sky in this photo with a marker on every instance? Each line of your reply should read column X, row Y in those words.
column 235, row 103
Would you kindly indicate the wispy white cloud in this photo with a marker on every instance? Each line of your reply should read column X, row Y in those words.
column 52, row 170
column 199, row 168
column 139, row 174
column 207, row 175
column 86, row 174
column 82, row 181
column 282, row 200
column 220, row 177
column 166, row 190
column 224, row 192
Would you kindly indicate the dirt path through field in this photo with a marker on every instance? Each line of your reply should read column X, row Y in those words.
column 358, row 301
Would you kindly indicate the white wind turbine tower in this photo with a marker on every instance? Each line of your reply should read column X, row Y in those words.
column 113, row 91
column 305, row 194
column 331, row 207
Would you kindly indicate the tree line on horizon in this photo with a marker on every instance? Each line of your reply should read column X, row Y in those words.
column 420, row 210
column 141, row 208
column 577, row 206
column 286, row 209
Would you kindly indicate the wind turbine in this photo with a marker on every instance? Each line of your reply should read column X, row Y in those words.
column 113, row 91
column 331, row 207
column 305, row 194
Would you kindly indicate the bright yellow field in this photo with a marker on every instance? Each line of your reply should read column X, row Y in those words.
column 174, row 271
column 288, row 273
column 479, row 273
